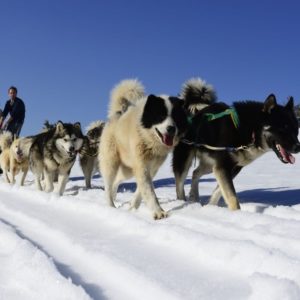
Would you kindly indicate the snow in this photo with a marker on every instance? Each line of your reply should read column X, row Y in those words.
column 77, row 247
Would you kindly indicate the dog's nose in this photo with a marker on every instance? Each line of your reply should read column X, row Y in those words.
column 171, row 130
column 72, row 149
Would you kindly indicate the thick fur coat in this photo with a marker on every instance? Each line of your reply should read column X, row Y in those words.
column 136, row 140
column 88, row 156
column 226, row 139
column 14, row 157
column 54, row 152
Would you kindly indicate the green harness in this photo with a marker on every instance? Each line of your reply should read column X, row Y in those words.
column 229, row 111
column 210, row 117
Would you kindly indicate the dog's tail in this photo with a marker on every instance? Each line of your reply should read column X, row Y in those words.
column 25, row 144
column 6, row 139
column 95, row 124
column 48, row 126
column 94, row 132
column 124, row 94
column 197, row 94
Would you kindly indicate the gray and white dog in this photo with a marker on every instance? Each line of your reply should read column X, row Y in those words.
column 54, row 151
column 88, row 155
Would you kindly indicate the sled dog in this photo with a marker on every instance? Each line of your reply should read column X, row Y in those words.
column 226, row 139
column 54, row 151
column 6, row 140
column 89, row 152
column 14, row 157
column 136, row 140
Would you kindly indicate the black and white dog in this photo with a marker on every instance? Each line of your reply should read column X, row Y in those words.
column 141, row 131
column 225, row 139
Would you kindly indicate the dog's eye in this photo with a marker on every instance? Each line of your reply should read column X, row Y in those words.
column 74, row 139
column 65, row 140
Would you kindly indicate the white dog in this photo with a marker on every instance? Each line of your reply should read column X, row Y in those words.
column 6, row 140
column 140, row 133
column 14, row 157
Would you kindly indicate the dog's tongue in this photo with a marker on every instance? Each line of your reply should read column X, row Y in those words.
column 168, row 139
column 288, row 157
column 19, row 156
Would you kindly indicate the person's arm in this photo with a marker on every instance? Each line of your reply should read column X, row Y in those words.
column 4, row 113
column 8, row 121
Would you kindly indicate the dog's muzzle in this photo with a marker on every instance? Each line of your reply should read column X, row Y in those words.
column 72, row 152
column 284, row 155
column 168, row 137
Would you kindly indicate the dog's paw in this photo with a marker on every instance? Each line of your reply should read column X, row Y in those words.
column 234, row 206
column 134, row 205
column 111, row 204
column 132, row 208
column 193, row 198
column 160, row 215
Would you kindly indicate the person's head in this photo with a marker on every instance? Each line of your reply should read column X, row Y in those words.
column 12, row 92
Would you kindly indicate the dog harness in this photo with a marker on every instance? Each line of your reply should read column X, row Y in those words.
column 209, row 147
column 229, row 111
column 211, row 117
column 88, row 150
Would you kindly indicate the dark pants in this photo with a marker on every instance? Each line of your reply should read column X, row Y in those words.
column 15, row 128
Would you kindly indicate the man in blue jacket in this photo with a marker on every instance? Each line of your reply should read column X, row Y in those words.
column 16, row 108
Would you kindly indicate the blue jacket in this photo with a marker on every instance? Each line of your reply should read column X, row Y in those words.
column 17, row 110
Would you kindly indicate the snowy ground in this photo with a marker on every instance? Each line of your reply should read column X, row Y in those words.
column 76, row 247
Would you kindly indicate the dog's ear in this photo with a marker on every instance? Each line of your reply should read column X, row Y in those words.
column 290, row 104
column 269, row 103
column 180, row 102
column 26, row 144
column 152, row 97
column 77, row 125
column 174, row 100
column 59, row 126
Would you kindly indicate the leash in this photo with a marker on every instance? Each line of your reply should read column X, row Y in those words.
column 213, row 148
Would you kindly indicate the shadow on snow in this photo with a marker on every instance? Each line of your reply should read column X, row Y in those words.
column 272, row 196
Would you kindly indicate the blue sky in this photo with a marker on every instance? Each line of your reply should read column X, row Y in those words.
column 66, row 55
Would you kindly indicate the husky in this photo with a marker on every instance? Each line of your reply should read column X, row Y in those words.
column 226, row 139
column 54, row 151
column 89, row 152
column 14, row 157
column 140, row 132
